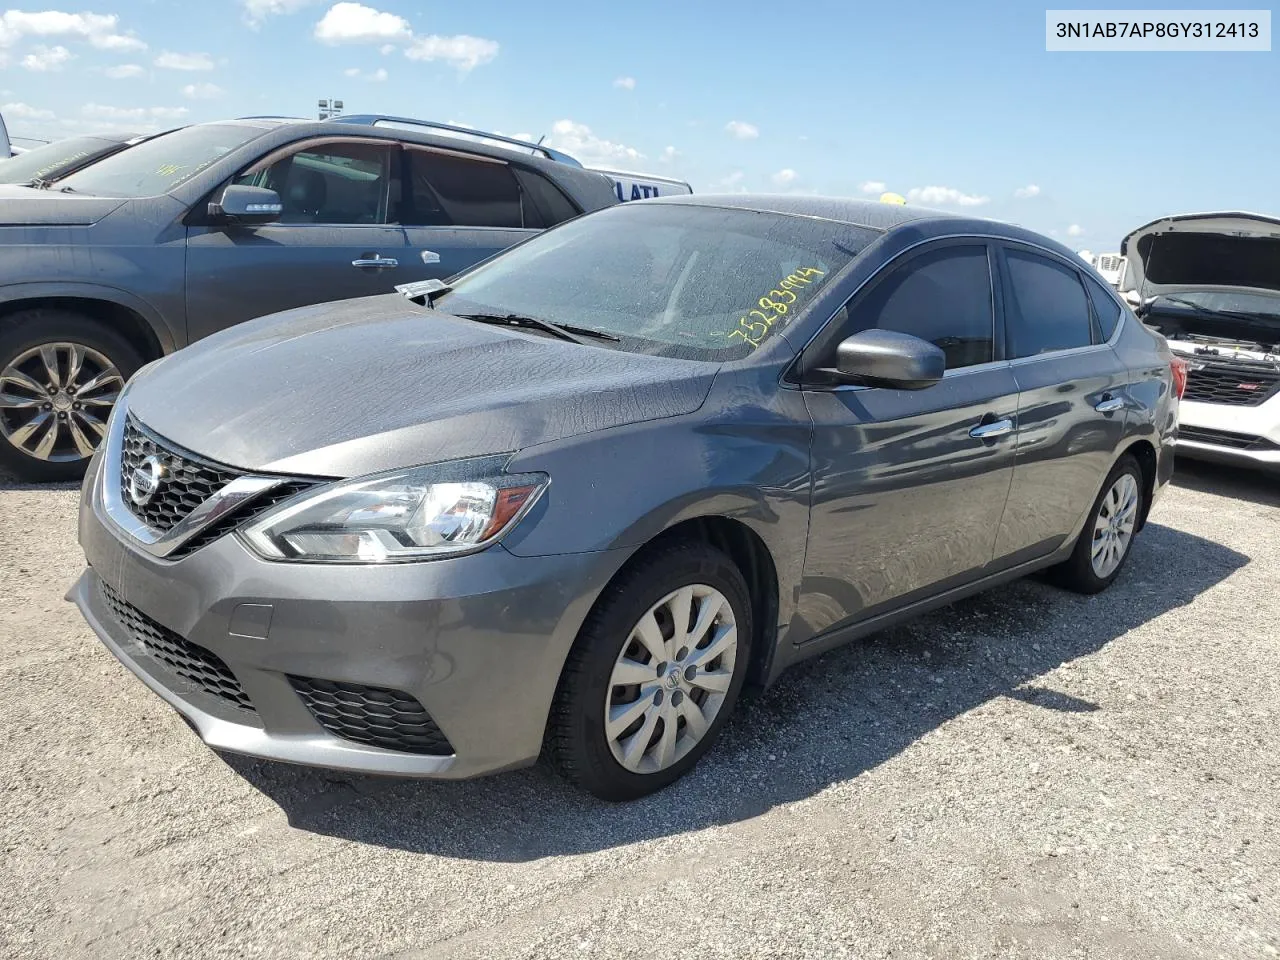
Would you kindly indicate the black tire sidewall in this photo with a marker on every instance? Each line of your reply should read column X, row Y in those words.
column 582, row 711
column 27, row 329
column 1079, row 570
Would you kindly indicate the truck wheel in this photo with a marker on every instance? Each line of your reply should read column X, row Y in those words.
column 60, row 375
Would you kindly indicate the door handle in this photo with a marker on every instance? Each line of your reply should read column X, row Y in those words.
column 989, row 431
column 376, row 262
column 1109, row 404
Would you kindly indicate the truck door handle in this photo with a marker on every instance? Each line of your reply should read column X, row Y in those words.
column 989, row 431
column 1109, row 404
column 377, row 262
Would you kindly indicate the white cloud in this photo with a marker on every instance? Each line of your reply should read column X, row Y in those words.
column 124, row 71
column 945, row 197
column 202, row 91
column 100, row 30
column 669, row 154
column 783, row 177
column 118, row 42
column 356, row 23
column 733, row 182
column 742, row 130
column 1075, row 230
column 873, row 186
column 1025, row 193
column 578, row 140
column 625, row 83
column 374, row 76
column 255, row 11
column 22, row 111
column 44, row 59
column 462, row 51
column 184, row 61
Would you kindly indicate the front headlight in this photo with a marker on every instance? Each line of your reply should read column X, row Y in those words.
column 407, row 515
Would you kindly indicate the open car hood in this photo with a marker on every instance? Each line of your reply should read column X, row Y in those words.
column 1203, row 251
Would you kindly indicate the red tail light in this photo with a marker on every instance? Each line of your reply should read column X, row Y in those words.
column 1179, row 368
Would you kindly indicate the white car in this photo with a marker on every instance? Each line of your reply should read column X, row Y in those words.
column 1210, row 282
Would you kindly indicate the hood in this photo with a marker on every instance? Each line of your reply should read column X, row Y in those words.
column 359, row 386
column 29, row 207
column 1203, row 251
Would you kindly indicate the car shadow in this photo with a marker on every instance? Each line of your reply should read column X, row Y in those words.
column 1235, row 482
column 824, row 723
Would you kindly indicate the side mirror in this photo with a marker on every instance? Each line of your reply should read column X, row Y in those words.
column 241, row 204
column 883, row 358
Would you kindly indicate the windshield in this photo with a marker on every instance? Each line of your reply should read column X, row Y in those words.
column 1251, row 303
column 703, row 283
column 47, row 161
column 159, row 165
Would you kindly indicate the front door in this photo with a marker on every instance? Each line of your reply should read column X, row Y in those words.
column 909, row 485
column 1071, row 405
column 332, row 242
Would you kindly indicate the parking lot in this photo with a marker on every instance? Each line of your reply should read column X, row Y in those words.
column 1028, row 774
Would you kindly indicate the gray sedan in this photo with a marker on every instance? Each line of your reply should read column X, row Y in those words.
column 582, row 495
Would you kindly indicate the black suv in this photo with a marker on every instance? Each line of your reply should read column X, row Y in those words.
column 180, row 236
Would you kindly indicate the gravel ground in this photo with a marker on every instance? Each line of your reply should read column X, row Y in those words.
column 1027, row 774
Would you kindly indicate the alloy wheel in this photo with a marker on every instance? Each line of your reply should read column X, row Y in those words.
column 55, row 400
column 1114, row 526
column 671, row 678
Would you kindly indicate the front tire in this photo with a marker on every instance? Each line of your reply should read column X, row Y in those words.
column 1107, row 538
column 654, row 674
column 60, row 375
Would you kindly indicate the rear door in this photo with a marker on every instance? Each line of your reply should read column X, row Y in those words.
column 1072, row 400
column 459, row 208
column 335, row 239
column 909, row 485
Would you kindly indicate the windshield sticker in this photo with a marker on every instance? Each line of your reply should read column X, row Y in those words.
column 774, row 305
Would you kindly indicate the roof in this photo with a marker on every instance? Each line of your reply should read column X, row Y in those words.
column 873, row 214
column 863, row 213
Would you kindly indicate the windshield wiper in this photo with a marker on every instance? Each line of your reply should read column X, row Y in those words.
column 563, row 331
column 1263, row 318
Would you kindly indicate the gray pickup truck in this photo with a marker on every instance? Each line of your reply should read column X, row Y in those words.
column 175, row 238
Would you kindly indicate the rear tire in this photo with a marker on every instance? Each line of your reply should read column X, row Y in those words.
column 60, row 374
column 1107, row 538
column 640, row 701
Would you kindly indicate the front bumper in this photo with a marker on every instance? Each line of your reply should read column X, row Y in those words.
column 1231, row 435
column 478, row 640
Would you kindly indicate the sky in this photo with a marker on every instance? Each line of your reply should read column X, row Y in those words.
column 956, row 106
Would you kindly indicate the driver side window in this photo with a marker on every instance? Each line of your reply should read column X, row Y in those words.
column 337, row 183
column 942, row 296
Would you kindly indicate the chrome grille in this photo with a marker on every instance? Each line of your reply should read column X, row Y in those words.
column 188, row 481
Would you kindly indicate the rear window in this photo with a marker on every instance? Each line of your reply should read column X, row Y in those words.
column 1049, row 308
column 158, row 166
column 672, row 280
column 452, row 190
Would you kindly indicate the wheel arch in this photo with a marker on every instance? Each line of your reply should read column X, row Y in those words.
column 1144, row 452
column 751, row 555
column 127, row 315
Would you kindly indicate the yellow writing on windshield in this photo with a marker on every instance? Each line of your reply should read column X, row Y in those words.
column 774, row 305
